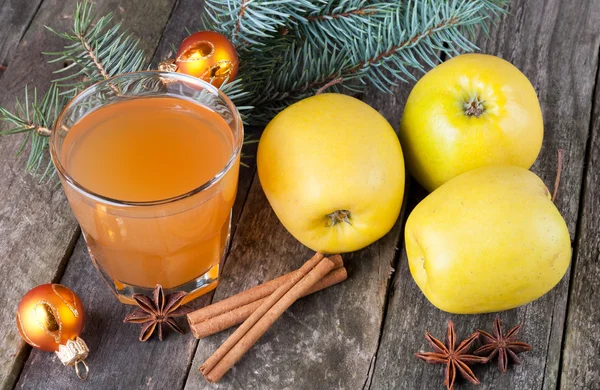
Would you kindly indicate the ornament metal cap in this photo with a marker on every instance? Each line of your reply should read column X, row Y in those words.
column 168, row 66
column 73, row 353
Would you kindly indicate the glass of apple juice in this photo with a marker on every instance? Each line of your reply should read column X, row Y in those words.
column 149, row 163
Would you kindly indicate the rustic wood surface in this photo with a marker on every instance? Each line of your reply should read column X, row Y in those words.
column 531, row 39
column 361, row 334
column 581, row 348
column 332, row 332
column 163, row 365
column 37, row 227
column 15, row 18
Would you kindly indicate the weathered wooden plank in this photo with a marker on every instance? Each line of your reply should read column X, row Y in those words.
column 114, row 345
column 36, row 225
column 117, row 359
column 555, row 44
column 581, row 349
column 15, row 17
column 156, row 365
column 185, row 19
column 330, row 346
column 28, row 254
column 324, row 341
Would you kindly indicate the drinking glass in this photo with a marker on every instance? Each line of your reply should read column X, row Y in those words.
column 176, row 242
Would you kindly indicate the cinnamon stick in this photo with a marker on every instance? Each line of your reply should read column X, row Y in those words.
column 238, row 315
column 248, row 296
column 257, row 324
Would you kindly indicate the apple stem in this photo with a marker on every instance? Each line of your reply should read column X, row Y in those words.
column 339, row 216
column 558, row 170
column 474, row 107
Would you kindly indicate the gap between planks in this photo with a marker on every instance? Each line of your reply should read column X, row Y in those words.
column 212, row 293
column 6, row 61
column 41, row 18
column 579, row 227
column 413, row 191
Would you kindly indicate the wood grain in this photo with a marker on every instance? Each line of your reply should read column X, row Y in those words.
column 581, row 349
column 114, row 345
column 555, row 44
column 332, row 339
column 15, row 17
column 156, row 365
column 117, row 359
column 185, row 19
column 326, row 340
column 37, row 228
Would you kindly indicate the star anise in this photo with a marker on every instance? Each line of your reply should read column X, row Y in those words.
column 502, row 345
column 455, row 359
column 158, row 310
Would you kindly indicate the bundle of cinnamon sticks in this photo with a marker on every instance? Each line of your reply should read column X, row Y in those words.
column 258, row 308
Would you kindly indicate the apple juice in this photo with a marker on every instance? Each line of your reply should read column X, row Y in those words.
column 144, row 217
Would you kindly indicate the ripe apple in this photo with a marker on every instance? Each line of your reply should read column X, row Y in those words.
column 488, row 240
column 468, row 112
column 332, row 169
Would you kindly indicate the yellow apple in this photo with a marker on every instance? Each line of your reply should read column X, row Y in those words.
column 332, row 169
column 468, row 112
column 488, row 240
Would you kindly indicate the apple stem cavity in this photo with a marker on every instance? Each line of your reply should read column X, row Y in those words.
column 338, row 216
column 474, row 106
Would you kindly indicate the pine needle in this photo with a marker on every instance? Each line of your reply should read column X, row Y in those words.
column 288, row 50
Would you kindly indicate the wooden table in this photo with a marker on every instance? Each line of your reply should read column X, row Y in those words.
column 361, row 334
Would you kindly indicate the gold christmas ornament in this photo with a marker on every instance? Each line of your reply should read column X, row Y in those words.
column 209, row 56
column 50, row 317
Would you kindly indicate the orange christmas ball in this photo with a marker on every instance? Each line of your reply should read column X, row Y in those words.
column 209, row 56
column 50, row 315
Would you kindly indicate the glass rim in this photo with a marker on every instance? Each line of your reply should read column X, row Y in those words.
column 238, row 131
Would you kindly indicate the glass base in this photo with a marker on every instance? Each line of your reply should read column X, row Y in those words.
column 195, row 288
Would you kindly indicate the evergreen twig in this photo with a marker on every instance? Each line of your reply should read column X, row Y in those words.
column 34, row 117
column 361, row 41
column 97, row 50
column 288, row 50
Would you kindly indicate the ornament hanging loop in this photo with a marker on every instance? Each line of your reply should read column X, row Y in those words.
column 73, row 353
column 83, row 372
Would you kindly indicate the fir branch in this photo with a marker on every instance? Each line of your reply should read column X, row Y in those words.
column 363, row 10
column 329, row 85
column 300, row 67
column 98, row 48
column 426, row 29
column 90, row 52
column 238, row 23
column 383, row 49
column 333, row 25
column 34, row 117
column 250, row 23
column 96, row 51
column 288, row 50
column 235, row 91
